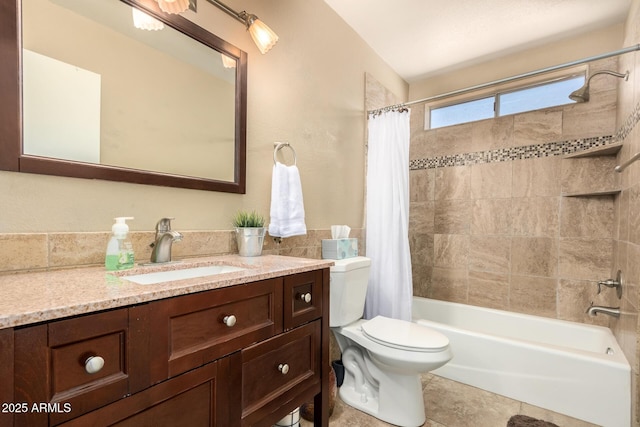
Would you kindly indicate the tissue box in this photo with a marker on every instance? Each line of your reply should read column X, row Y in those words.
column 339, row 248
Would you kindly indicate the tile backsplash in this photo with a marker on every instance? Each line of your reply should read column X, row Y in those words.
column 41, row 251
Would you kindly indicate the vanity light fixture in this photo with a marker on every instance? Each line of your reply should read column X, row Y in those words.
column 582, row 94
column 142, row 21
column 262, row 35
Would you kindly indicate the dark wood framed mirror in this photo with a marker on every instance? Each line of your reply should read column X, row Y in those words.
column 183, row 137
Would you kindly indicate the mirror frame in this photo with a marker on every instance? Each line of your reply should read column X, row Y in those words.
column 12, row 158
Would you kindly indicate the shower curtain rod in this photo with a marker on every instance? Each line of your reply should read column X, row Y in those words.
column 507, row 79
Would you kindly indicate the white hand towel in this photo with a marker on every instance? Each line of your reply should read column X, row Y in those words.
column 287, row 206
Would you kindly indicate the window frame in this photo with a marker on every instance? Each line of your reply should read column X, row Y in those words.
column 495, row 91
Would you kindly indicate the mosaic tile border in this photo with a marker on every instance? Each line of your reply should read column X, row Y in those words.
column 534, row 151
column 629, row 124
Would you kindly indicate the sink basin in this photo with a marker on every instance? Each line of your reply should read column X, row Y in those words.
column 181, row 274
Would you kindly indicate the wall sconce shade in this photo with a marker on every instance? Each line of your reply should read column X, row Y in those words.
column 143, row 21
column 262, row 35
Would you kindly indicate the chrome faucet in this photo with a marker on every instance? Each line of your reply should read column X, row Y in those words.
column 593, row 310
column 612, row 283
column 164, row 240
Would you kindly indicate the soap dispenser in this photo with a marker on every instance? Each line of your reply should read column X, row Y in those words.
column 119, row 249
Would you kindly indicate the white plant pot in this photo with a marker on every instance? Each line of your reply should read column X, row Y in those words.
column 250, row 240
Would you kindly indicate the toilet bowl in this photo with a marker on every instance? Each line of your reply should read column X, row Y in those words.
column 382, row 357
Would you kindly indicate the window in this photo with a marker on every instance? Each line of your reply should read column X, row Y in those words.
column 461, row 113
column 544, row 95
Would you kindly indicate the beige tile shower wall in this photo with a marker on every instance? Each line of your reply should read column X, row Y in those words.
column 627, row 209
column 41, row 251
column 500, row 234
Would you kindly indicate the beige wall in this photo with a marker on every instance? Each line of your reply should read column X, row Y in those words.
column 551, row 54
column 309, row 91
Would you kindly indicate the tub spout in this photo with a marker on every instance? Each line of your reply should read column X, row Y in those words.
column 593, row 310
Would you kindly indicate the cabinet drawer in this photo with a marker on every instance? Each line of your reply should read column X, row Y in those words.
column 302, row 298
column 50, row 365
column 279, row 370
column 192, row 330
column 187, row 400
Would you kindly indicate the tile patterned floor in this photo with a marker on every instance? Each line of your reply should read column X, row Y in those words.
column 452, row 404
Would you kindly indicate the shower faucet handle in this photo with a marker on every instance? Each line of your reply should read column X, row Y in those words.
column 612, row 283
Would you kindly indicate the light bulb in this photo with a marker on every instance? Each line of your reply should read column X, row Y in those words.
column 262, row 35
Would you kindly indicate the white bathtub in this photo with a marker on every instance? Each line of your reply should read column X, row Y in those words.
column 571, row 368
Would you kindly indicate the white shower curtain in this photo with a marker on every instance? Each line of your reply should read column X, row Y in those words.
column 387, row 231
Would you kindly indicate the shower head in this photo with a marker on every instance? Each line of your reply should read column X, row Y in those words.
column 582, row 94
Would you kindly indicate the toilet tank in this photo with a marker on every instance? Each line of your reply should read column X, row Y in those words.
column 349, row 281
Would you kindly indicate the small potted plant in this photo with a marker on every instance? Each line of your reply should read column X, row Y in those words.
column 250, row 232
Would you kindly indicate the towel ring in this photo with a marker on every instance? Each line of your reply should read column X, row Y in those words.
column 279, row 145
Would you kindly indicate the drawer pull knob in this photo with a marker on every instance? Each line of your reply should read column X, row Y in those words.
column 93, row 364
column 306, row 297
column 284, row 368
column 229, row 320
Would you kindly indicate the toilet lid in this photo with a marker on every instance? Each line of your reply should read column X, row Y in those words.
column 404, row 335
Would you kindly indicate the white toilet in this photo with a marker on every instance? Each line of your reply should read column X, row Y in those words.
column 382, row 357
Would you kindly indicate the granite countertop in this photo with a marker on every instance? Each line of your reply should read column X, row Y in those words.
column 27, row 298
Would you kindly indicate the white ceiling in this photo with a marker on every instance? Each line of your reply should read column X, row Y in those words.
column 419, row 38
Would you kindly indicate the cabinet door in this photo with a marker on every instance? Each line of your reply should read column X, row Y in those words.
column 189, row 400
column 280, row 374
column 302, row 298
column 6, row 378
column 52, row 369
column 191, row 330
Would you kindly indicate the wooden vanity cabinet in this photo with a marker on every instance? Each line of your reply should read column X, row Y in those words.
column 276, row 333
column 192, row 330
column 6, row 377
column 303, row 298
column 282, row 371
column 51, row 366
column 242, row 355
column 193, row 399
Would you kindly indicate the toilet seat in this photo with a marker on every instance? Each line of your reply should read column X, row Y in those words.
column 404, row 335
